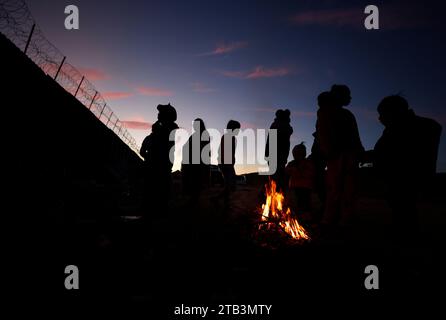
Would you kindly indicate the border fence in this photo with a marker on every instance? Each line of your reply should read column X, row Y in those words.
column 19, row 26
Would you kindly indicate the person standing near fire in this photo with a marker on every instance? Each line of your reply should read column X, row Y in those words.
column 195, row 170
column 324, row 100
column 284, row 130
column 226, row 159
column 340, row 145
column 155, row 150
column 405, row 157
column 301, row 179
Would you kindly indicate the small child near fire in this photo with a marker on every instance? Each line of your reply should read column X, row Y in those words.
column 301, row 174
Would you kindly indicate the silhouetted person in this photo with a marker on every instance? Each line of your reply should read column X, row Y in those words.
column 155, row 150
column 284, row 131
column 301, row 178
column 324, row 100
column 340, row 145
column 406, row 158
column 226, row 159
column 195, row 169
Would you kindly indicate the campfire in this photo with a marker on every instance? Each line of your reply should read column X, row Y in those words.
column 275, row 217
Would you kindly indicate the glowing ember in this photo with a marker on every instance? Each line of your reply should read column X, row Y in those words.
column 273, row 213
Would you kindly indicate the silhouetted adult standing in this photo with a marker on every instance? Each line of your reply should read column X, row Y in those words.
column 195, row 167
column 406, row 158
column 339, row 143
column 281, row 123
column 226, row 159
column 155, row 150
column 324, row 100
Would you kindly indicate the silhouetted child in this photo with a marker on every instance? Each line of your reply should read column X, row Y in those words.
column 301, row 174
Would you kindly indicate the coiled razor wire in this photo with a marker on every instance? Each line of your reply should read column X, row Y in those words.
column 19, row 26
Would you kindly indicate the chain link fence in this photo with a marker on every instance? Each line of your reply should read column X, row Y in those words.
column 19, row 26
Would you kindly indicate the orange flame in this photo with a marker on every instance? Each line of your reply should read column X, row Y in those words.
column 272, row 211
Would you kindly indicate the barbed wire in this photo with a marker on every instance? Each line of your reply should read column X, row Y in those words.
column 19, row 26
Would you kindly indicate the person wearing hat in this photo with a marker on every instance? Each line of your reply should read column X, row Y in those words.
column 155, row 150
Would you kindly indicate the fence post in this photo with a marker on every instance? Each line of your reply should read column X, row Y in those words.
column 29, row 38
column 102, row 111
column 108, row 121
column 79, row 86
column 115, row 124
column 60, row 67
column 92, row 100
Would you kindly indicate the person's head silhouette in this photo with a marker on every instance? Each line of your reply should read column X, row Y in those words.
column 166, row 113
column 325, row 99
column 234, row 126
column 299, row 152
column 341, row 95
column 279, row 114
column 393, row 110
column 198, row 125
column 283, row 116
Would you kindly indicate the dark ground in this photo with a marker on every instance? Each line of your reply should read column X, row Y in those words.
column 209, row 256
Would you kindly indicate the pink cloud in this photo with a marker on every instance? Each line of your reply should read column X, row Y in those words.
column 331, row 17
column 93, row 74
column 223, row 48
column 154, row 92
column 201, row 87
column 261, row 72
column 136, row 123
column 114, row 95
column 258, row 72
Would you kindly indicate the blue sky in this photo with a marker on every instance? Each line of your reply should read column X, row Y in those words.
column 222, row 60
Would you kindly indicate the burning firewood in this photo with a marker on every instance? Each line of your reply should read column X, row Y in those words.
column 274, row 217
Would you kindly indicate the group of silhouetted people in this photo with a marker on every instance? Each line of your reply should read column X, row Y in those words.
column 195, row 168
column 405, row 157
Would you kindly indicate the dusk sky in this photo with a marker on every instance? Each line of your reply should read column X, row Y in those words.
column 241, row 60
